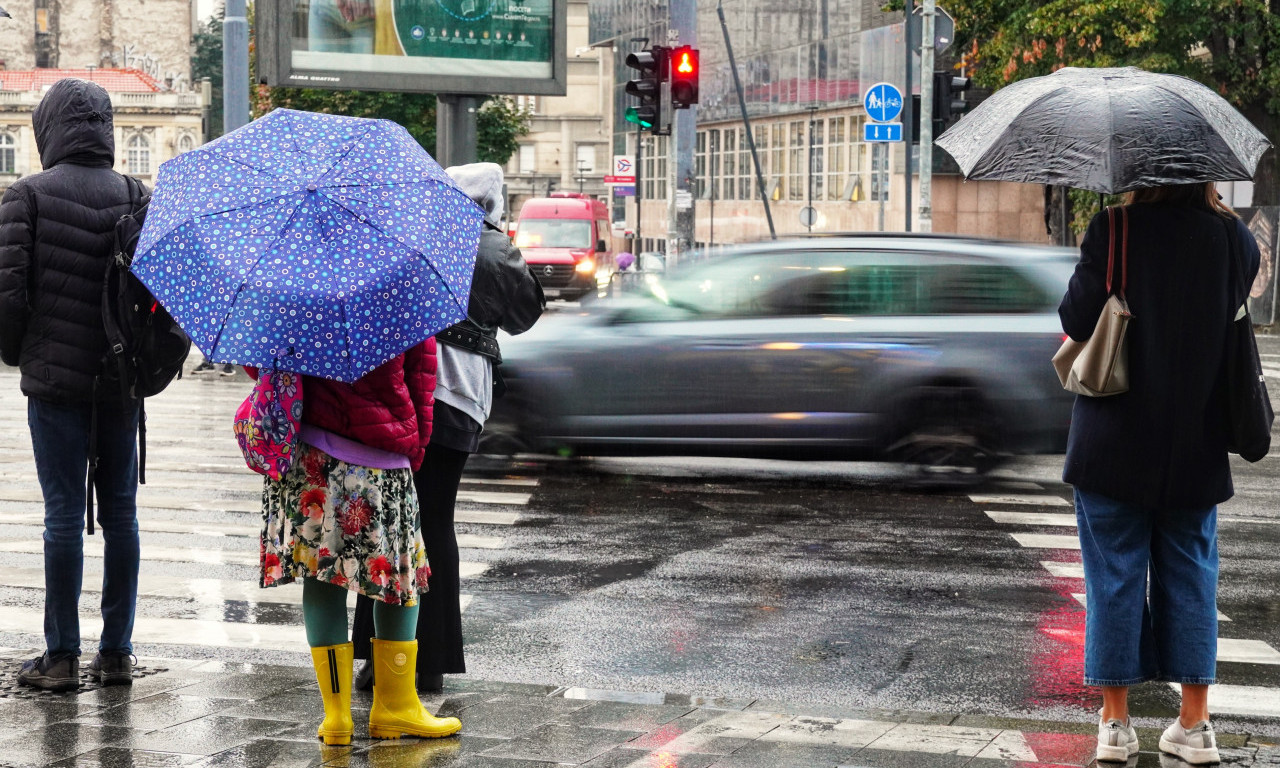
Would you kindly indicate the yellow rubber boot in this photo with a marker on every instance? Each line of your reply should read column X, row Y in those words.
column 396, row 710
column 333, row 673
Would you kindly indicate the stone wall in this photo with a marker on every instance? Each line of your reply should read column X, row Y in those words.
column 151, row 35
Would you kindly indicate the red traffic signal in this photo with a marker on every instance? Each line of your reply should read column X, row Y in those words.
column 684, row 76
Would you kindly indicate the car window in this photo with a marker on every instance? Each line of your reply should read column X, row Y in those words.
column 867, row 289
column 961, row 289
column 554, row 233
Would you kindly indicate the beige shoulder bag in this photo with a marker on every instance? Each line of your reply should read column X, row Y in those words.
column 1099, row 367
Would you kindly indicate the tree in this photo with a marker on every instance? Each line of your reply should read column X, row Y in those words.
column 206, row 61
column 1230, row 45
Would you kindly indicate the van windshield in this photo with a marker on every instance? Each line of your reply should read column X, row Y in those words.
column 554, row 233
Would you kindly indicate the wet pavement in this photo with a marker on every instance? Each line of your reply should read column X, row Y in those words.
column 182, row 712
column 804, row 614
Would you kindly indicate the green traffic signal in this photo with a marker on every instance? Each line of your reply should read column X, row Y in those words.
column 633, row 116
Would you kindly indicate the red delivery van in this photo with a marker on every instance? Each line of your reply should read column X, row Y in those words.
column 565, row 241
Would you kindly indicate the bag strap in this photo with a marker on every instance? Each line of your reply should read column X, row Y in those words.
column 1124, row 249
column 1239, row 291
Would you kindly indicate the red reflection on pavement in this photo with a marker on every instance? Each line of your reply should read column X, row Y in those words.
column 1057, row 659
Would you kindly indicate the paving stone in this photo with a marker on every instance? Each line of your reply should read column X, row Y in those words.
column 269, row 753
column 830, row 732
column 57, row 741
column 508, row 716
column 37, row 713
column 624, row 717
column 776, row 754
column 417, row 753
column 121, row 757
column 243, row 686
column 890, row 758
column 207, row 735
column 624, row 757
column 156, row 712
column 561, row 744
column 289, row 706
column 704, row 731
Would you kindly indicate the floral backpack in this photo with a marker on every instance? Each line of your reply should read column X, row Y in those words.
column 268, row 421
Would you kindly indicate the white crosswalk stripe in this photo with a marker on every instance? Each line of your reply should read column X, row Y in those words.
column 198, row 491
column 1041, row 500
column 1225, row 699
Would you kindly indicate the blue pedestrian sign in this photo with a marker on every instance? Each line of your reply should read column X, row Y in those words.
column 883, row 102
column 882, row 131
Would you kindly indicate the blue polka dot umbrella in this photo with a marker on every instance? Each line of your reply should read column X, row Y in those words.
column 321, row 244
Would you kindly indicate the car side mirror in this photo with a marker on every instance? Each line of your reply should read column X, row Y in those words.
column 601, row 246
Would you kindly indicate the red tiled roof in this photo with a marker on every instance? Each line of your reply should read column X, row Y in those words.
column 114, row 80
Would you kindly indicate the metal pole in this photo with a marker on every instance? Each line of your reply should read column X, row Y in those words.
column 929, row 11
column 746, row 121
column 235, row 66
column 639, row 189
column 809, row 203
column 879, row 158
column 456, row 132
column 909, row 8
column 684, row 137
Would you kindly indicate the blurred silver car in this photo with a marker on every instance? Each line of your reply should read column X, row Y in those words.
column 929, row 350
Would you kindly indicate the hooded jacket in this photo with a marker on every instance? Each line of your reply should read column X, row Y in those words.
column 56, row 234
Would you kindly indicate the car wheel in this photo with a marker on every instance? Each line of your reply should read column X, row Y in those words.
column 948, row 437
column 502, row 437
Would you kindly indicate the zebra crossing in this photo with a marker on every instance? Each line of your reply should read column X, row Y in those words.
column 1270, row 365
column 199, row 521
column 1014, row 511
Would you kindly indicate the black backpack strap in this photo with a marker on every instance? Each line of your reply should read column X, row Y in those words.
column 91, row 477
column 142, row 441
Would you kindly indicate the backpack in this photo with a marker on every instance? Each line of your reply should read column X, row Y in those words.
column 145, row 344
column 145, row 347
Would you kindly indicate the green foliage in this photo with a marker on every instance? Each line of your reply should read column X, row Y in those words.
column 1231, row 45
column 499, row 124
column 415, row 111
column 206, row 61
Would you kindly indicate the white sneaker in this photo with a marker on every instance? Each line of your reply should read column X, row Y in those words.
column 1117, row 741
column 1196, row 745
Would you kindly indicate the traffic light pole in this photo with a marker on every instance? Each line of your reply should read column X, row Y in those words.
column 909, row 8
column 684, row 135
column 746, row 121
column 639, row 195
column 928, row 11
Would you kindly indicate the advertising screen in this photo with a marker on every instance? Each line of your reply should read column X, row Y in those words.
column 438, row 46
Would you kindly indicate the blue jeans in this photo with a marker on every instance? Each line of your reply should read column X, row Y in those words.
column 60, row 437
column 1151, row 584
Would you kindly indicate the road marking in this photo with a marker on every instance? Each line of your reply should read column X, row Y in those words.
column 485, row 517
column 1032, row 518
column 204, row 556
column 1247, row 651
column 1271, row 370
column 161, row 500
column 1242, row 700
column 494, row 497
column 1064, row 570
column 1045, row 500
column 1046, row 540
column 225, row 634
column 939, row 739
column 524, row 482
column 1080, row 598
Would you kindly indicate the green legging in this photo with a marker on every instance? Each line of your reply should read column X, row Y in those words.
column 324, row 613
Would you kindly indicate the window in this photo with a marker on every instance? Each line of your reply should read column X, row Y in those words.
column 979, row 289
column 775, row 172
column 527, row 104
column 746, row 166
column 138, row 155
column 797, row 183
column 650, row 166
column 729, row 164
column 817, row 156
column 186, row 143
column 554, row 233
column 8, row 153
column 713, row 162
column 700, row 186
column 585, row 157
column 835, row 157
column 661, row 168
column 528, row 158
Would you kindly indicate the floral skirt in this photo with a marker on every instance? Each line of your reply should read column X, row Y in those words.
column 351, row 526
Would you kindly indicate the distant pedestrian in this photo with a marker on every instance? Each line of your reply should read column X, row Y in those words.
column 56, row 236
column 345, row 518
column 1150, row 466
column 506, row 295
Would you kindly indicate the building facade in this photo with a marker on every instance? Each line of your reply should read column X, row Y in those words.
column 803, row 65
column 151, row 124
column 569, row 144
column 153, row 36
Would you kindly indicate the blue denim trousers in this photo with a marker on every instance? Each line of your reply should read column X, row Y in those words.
column 60, row 439
column 1151, row 584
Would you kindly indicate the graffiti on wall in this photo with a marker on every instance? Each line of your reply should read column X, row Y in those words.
column 130, row 57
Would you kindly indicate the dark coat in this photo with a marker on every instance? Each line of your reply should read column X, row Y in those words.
column 56, row 234
column 504, row 292
column 1162, row 444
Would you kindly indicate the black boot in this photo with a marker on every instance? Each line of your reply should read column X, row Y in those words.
column 364, row 676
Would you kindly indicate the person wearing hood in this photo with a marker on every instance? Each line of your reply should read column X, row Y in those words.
column 56, row 237
column 504, row 294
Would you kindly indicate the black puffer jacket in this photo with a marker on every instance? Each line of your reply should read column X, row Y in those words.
column 56, row 234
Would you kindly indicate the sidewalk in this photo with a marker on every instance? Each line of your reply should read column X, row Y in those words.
column 190, row 713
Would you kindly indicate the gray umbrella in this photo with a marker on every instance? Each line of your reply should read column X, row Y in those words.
column 1105, row 130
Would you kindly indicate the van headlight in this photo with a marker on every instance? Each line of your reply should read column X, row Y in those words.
column 585, row 267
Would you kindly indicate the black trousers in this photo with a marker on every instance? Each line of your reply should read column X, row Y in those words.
column 439, row 614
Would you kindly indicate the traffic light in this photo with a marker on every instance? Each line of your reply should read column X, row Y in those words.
column 948, row 96
column 651, row 64
column 684, row 77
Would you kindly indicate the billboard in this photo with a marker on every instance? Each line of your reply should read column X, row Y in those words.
column 432, row 46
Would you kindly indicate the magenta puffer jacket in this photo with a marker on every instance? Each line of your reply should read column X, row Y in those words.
column 389, row 408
